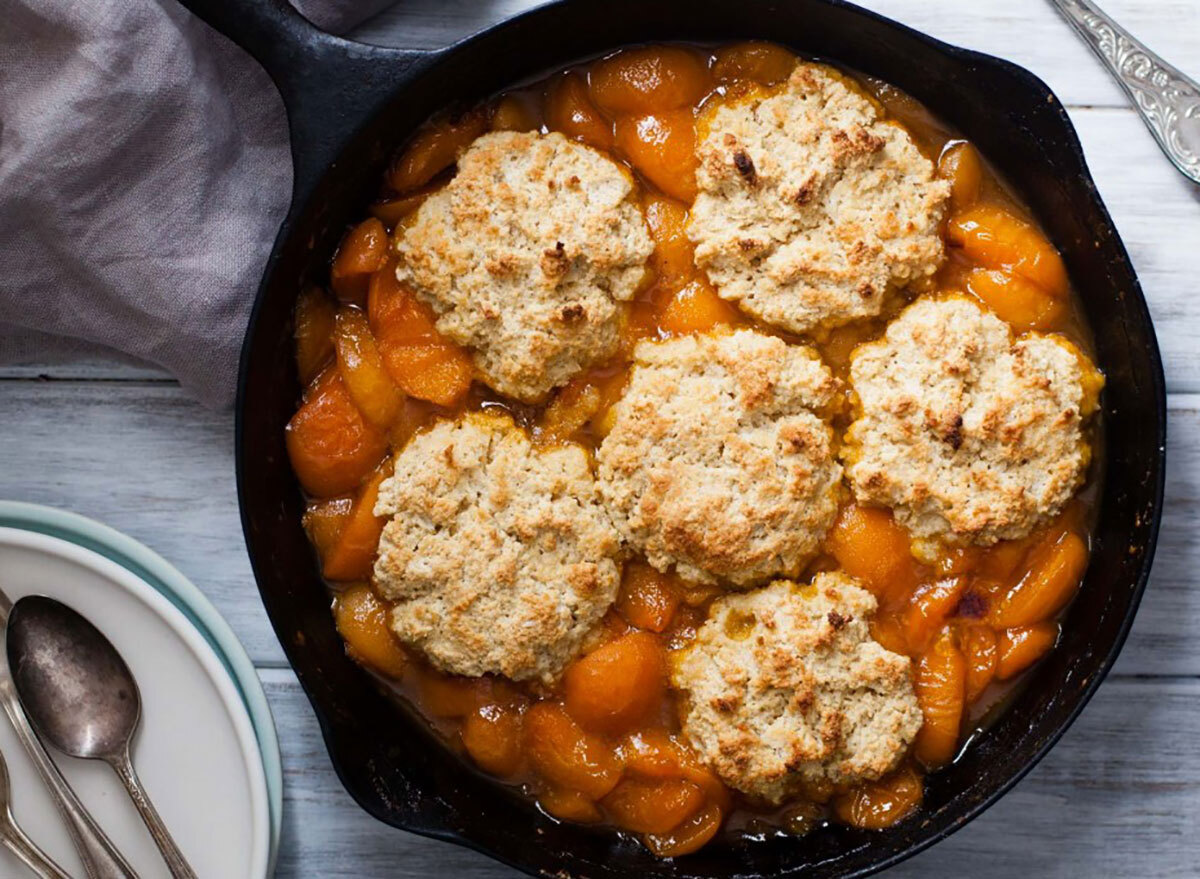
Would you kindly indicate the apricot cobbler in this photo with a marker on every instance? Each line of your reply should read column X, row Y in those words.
column 701, row 439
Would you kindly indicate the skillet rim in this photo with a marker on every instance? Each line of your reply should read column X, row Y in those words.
column 1031, row 84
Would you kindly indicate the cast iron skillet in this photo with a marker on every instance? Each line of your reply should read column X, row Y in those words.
column 350, row 105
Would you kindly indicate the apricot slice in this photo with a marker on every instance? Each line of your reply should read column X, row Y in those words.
column 1016, row 301
column 928, row 608
column 492, row 736
column 997, row 239
column 645, row 806
column 396, row 211
column 1021, row 647
column 361, row 254
column 434, row 149
column 569, row 805
column 880, row 804
column 692, row 834
column 361, row 367
column 512, row 113
column 696, row 309
column 331, row 446
column 324, row 520
column 760, row 62
column 673, row 259
column 449, row 695
column 961, row 165
column 648, row 598
column 979, row 649
column 417, row 357
column 940, row 684
column 362, row 621
column 648, row 79
column 615, row 686
column 314, row 332
column 570, row 410
column 1055, row 568
column 869, row 544
column 662, row 148
column 569, row 110
column 567, row 756
column 352, row 555
column 891, row 632
column 655, row 753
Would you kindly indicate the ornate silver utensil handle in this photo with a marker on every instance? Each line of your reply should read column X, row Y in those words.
column 1168, row 101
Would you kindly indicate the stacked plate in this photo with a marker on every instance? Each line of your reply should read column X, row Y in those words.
column 206, row 750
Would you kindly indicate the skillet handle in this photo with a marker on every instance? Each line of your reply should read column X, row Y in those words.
column 330, row 86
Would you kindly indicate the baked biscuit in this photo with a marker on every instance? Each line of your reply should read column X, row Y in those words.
column 718, row 461
column 785, row 691
column 525, row 256
column 498, row 554
column 968, row 435
column 811, row 207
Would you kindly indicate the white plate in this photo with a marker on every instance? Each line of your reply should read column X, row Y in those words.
column 196, row 750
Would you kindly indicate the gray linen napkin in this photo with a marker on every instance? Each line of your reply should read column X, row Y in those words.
column 144, row 171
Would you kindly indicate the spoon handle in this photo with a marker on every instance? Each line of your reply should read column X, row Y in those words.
column 1168, row 101
column 154, row 823
column 24, row 848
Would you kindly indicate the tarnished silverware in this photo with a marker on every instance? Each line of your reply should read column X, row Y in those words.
column 100, row 857
column 15, row 840
column 1168, row 101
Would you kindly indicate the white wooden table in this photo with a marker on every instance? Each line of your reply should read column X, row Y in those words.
column 1119, row 796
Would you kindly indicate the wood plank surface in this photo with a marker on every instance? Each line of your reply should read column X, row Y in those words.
column 1117, row 798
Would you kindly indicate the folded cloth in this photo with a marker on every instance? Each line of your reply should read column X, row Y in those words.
column 144, row 171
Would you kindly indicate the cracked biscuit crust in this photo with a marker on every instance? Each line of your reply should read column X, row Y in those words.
column 719, row 462
column 784, row 689
column 498, row 553
column 525, row 255
column 811, row 207
column 967, row 434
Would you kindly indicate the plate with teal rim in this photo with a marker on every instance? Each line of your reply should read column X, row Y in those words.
column 151, row 568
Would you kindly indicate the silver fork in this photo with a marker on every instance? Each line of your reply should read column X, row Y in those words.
column 15, row 840
column 1168, row 101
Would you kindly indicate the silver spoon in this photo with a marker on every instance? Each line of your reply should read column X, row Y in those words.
column 82, row 698
column 13, row 839
column 1168, row 101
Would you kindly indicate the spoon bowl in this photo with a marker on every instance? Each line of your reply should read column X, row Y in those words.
column 82, row 698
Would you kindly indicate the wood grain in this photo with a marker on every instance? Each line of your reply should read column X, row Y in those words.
column 1101, row 804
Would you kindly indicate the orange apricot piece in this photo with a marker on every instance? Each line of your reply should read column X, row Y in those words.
column 361, row 254
column 1020, row 647
column 692, row 834
column 434, row 149
column 323, row 522
column 645, row 806
column 361, row 366
column 1016, row 301
column 443, row 695
column 662, row 148
column 396, row 211
column 880, row 804
column 648, row 598
column 940, row 684
column 416, row 356
column 570, row 410
column 512, row 113
column 673, row 259
column 569, row 109
column 696, row 309
column 569, row 805
column 655, row 753
column 998, row 239
column 331, row 446
column 890, row 631
column 870, row 545
column 362, row 621
column 928, row 608
column 492, row 736
column 760, row 62
column 567, row 756
column 618, row 685
column 648, row 79
column 978, row 644
column 1055, row 568
column 352, row 555
column 961, row 164
column 314, row 318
